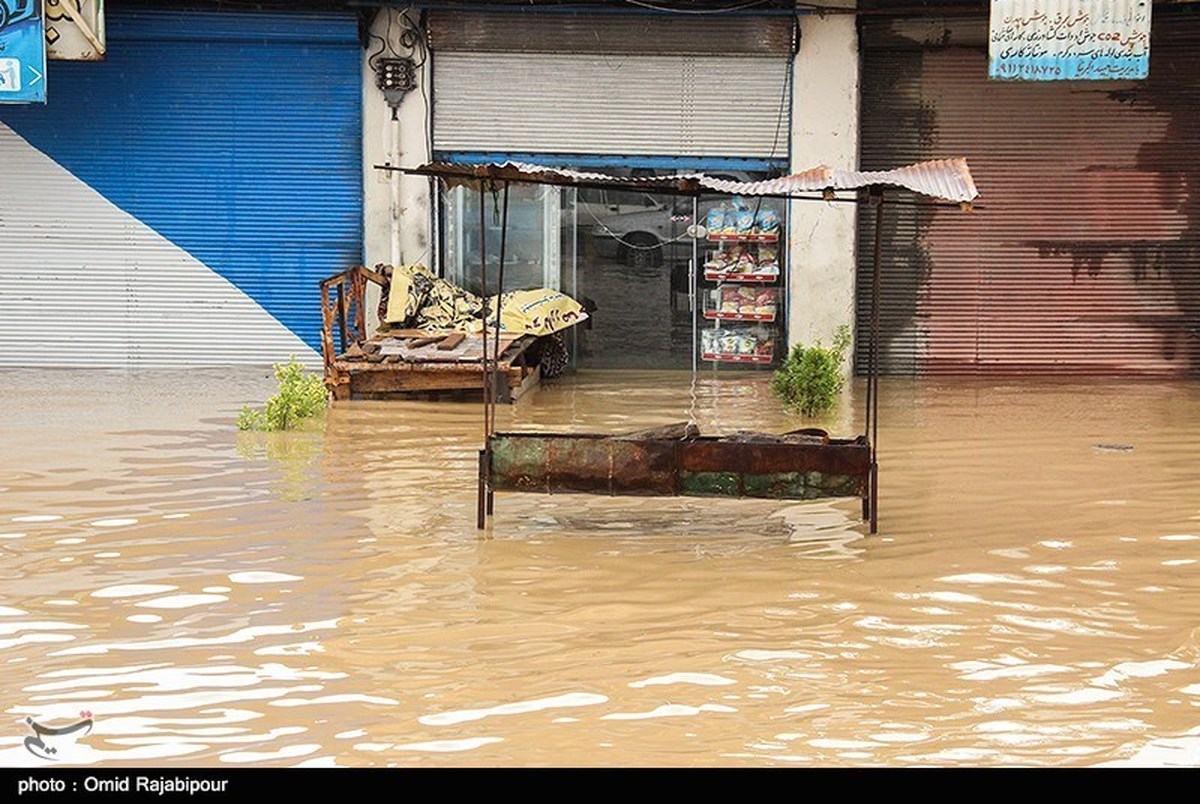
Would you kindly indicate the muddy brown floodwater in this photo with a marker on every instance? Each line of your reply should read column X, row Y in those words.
column 323, row 598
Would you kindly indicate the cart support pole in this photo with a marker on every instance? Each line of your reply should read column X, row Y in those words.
column 484, row 454
column 481, row 492
column 495, row 373
column 873, row 369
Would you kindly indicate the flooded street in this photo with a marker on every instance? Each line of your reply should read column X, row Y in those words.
column 322, row 598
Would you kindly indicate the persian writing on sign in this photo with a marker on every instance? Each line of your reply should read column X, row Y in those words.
column 1069, row 40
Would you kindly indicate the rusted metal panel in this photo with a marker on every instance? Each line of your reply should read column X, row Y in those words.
column 1086, row 259
column 790, row 485
column 707, row 466
column 644, row 467
column 573, row 464
column 608, row 34
column 520, row 464
column 710, row 484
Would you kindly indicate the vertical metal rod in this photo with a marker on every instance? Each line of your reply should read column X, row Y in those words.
column 873, row 404
column 483, row 281
column 693, row 286
column 877, row 255
column 480, row 495
column 481, row 502
column 499, row 299
column 490, row 505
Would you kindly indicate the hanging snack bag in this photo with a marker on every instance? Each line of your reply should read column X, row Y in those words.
column 764, row 302
column 734, row 208
column 744, row 218
column 730, row 256
column 715, row 220
column 746, row 301
column 767, row 221
column 746, row 263
column 768, row 257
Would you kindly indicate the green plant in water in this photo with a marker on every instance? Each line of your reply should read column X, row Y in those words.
column 811, row 379
column 302, row 395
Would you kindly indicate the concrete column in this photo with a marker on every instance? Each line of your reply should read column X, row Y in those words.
column 397, row 224
column 825, row 93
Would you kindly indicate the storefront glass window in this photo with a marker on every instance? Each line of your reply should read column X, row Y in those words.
column 628, row 257
column 539, row 248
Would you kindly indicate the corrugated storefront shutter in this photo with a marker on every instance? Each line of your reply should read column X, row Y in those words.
column 609, row 84
column 1084, row 259
column 196, row 184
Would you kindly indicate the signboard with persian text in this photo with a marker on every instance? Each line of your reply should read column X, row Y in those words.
column 1069, row 40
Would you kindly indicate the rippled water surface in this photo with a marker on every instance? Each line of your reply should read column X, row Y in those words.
column 323, row 598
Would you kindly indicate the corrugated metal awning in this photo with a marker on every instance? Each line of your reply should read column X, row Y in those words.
column 942, row 179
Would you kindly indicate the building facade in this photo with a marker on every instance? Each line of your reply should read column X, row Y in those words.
column 177, row 202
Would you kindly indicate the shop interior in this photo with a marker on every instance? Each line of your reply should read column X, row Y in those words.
column 627, row 257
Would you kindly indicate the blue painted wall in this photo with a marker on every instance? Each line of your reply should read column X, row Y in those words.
column 235, row 136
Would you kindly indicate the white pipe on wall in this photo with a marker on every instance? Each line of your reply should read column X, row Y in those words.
column 394, row 178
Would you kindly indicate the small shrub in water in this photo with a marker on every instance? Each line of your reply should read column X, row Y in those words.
column 811, row 379
column 302, row 395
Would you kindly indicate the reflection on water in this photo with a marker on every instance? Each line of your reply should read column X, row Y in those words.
column 322, row 598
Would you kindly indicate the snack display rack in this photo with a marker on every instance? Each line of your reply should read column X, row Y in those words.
column 742, row 299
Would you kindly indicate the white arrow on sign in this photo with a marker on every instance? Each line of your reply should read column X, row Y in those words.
column 37, row 75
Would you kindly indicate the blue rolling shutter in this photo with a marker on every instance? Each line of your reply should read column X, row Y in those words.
column 235, row 136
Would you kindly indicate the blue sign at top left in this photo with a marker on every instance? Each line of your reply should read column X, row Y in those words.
column 22, row 52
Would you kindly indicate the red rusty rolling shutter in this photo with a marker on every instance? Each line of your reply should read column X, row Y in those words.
column 1086, row 256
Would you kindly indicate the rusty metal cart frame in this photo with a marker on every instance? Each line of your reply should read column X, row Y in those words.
column 688, row 464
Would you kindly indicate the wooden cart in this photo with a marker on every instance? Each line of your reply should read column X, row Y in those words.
column 396, row 363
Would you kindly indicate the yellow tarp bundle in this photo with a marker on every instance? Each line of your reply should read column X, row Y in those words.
column 410, row 285
column 540, row 311
column 421, row 300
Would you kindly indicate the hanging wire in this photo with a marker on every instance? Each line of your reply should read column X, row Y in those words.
column 627, row 244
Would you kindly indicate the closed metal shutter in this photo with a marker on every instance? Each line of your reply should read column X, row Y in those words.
column 177, row 203
column 611, row 84
column 1084, row 259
